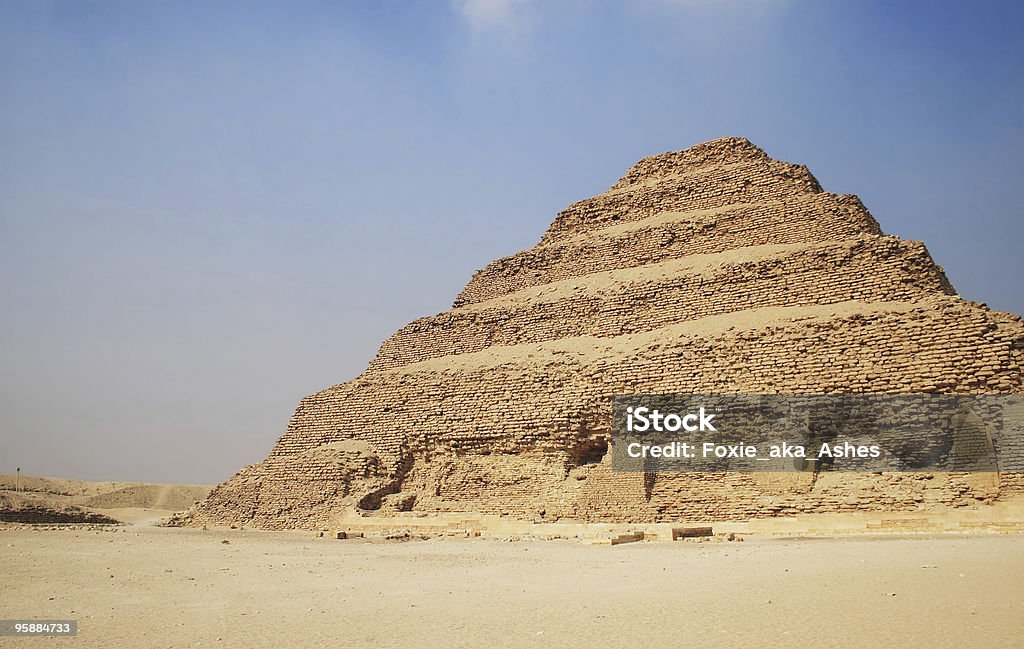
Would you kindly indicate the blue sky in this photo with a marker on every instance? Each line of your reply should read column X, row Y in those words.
column 210, row 209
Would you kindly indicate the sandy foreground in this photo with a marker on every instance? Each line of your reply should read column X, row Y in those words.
column 146, row 586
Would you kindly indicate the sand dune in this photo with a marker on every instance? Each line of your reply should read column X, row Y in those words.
column 61, row 500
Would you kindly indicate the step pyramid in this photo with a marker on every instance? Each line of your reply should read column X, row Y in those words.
column 711, row 270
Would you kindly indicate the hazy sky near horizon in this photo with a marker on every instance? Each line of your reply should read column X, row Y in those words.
column 211, row 209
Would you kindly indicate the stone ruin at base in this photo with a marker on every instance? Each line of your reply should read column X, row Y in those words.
column 711, row 270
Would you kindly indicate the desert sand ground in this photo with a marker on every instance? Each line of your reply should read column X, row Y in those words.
column 147, row 586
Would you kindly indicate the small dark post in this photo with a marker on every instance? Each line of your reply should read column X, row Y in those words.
column 17, row 480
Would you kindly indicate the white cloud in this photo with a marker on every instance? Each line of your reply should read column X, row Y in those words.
column 719, row 4
column 493, row 15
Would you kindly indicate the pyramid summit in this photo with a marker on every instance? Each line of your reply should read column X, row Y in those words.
column 712, row 270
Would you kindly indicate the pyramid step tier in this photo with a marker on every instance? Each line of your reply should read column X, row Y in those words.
column 715, row 153
column 709, row 187
column 671, row 235
column 523, row 394
column 633, row 300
